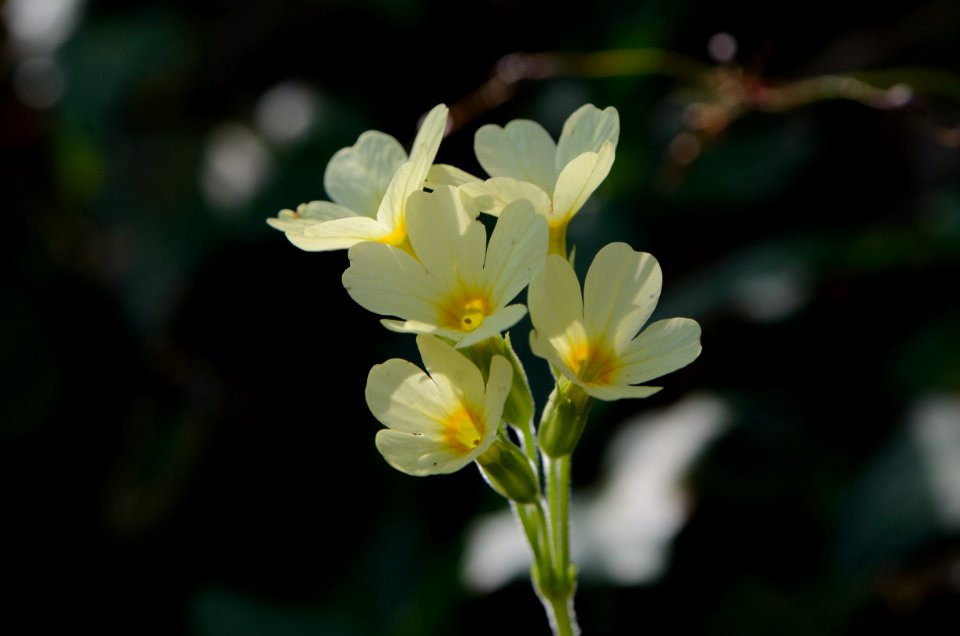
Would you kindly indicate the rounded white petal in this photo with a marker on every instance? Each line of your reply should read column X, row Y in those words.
column 493, row 195
column 579, row 178
column 619, row 294
column 400, row 395
column 586, row 130
column 357, row 176
column 388, row 281
column 522, row 150
column 663, row 347
column 419, row 455
column 337, row 234
column 517, row 250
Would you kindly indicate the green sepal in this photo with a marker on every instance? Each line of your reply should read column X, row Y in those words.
column 518, row 409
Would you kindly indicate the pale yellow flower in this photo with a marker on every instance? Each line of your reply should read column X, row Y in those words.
column 453, row 285
column 592, row 339
column 437, row 423
column 523, row 161
column 369, row 183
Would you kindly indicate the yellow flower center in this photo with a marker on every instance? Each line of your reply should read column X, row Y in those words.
column 462, row 430
column 592, row 363
column 465, row 312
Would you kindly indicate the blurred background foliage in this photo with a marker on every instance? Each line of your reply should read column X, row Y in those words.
column 183, row 437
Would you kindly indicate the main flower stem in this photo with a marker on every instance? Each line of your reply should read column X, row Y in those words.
column 560, row 589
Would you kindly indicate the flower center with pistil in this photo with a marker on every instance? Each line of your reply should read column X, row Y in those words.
column 465, row 312
column 462, row 431
column 592, row 363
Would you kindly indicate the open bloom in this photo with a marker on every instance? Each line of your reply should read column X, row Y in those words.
column 369, row 183
column 454, row 285
column 525, row 162
column 437, row 423
column 592, row 339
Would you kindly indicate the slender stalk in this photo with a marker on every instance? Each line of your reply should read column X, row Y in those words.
column 559, row 590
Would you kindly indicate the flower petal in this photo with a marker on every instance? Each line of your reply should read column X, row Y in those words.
column 585, row 131
column 579, row 179
column 337, row 234
column 522, row 150
column 418, row 455
column 518, row 248
column 445, row 174
column 445, row 235
column 428, row 140
column 357, row 176
column 493, row 195
column 410, row 176
column 459, row 379
column 556, row 309
column 400, row 395
column 663, row 347
column 308, row 214
column 619, row 294
column 497, row 322
column 388, row 281
column 611, row 392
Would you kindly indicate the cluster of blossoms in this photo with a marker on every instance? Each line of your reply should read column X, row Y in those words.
column 419, row 256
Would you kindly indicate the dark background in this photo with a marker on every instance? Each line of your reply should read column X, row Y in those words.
column 185, row 444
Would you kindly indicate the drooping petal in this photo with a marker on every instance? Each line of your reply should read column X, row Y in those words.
column 402, row 397
column 357, row 176
column 522, row 150
column 611, row 392
column 518, row 248
column 497, row 322
column 586, row 130
column 337, row 234
column 494, row 194
column 308, row 214
column 663, row 347
column 619, row 294
column 419, row 455
column 388, row 281
column 579, row 178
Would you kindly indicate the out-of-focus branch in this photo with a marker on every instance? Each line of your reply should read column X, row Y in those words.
column 726, row 92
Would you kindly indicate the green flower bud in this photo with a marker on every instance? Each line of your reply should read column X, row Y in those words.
column 563, row 419
column 509, row 471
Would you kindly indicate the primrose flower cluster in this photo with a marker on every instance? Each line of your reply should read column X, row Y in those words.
column 420, row 257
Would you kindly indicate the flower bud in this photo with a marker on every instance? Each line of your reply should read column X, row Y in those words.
column 564, row 419
column 509, row 471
